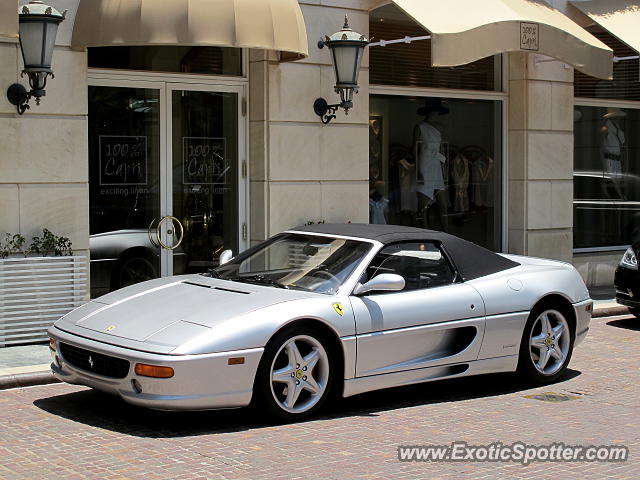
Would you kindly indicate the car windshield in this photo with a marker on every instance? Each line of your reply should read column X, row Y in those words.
column 297, row 261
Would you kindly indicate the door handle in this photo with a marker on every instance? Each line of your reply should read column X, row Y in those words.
column 174, row 220
column 150, row 236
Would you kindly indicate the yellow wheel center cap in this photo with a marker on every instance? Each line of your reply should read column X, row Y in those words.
column 548, row 341
column 298, row 374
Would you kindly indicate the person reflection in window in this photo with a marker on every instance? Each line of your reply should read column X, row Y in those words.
column 613, row 140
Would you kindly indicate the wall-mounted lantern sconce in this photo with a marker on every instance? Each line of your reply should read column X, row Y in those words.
column 347, row 48
column 38, row 30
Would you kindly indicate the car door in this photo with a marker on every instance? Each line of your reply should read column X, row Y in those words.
column 435, row 320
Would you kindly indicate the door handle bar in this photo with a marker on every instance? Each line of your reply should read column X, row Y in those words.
column 174, row 220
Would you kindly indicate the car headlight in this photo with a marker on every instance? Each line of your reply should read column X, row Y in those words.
column 629, row 259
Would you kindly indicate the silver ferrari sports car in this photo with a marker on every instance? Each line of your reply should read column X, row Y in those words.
column 322, row 311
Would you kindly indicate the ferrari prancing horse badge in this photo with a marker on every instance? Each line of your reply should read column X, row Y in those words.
column 338, row 308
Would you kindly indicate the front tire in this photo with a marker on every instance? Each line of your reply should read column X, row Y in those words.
column 296, row 374
column 547, row 344
column 634, row 311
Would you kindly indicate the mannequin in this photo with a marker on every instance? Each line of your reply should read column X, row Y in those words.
column 427, row 142
column 427, row 139
column 612, row 141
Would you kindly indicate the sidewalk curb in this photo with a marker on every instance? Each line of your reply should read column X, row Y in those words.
column 27, row 380
column 610, row 311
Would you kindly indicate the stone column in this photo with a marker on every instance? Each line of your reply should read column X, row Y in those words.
column 300, row 169
column 540, row 170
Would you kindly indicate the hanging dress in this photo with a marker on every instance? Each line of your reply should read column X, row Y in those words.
column 481, row 178
column 460, row 171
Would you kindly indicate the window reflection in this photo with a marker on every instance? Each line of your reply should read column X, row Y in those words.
column 606, row 177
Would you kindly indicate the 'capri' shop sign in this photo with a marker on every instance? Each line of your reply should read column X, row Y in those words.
column 529, row 36
column 204, row 161
column 123, row 160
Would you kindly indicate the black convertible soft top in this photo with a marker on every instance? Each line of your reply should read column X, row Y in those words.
column 471, row 260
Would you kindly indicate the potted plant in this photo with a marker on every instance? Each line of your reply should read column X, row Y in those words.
column 39, row 283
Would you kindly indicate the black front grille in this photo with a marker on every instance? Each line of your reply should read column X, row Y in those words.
column 93, row 362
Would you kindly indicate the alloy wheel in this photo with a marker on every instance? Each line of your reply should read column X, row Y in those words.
column 299, row 374
column 549, row 342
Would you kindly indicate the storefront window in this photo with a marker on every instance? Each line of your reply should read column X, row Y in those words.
column 170, row 59
column 436, row 163
column 606, row 177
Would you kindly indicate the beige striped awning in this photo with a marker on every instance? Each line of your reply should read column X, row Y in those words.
column 265, row 24
column 463, row 31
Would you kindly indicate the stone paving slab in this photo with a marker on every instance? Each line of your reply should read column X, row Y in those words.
column 70, row 432
column 18, row 356
column 43, row 367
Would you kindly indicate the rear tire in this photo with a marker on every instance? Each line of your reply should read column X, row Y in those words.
column 296, row 374
column 547, row 344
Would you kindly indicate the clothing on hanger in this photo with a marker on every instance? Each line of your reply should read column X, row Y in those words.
column 460, row 177
column 482, row 181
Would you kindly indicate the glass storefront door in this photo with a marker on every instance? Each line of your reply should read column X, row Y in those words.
column 166, row 192
column 204, row 151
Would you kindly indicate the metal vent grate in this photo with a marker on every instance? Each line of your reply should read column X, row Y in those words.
column 552, row 397
column 37, row 291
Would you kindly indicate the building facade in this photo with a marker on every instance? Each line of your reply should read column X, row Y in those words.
column 154, row 158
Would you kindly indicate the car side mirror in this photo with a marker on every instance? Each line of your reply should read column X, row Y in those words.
column 225, row 257
column 389, row 282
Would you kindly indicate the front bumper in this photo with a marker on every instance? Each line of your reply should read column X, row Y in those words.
column 583, row 311
column 200, row 382
column 627, row 283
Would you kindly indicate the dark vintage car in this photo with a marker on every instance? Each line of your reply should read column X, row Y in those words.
column 121, row 258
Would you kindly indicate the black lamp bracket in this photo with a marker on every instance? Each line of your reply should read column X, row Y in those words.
column 327, row 112
column 19, row 96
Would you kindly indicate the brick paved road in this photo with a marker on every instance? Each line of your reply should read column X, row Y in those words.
column 66, row 432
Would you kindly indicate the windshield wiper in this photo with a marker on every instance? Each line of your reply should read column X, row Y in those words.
column 259, row 279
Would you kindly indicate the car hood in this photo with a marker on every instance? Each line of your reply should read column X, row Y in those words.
column 159, row 315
